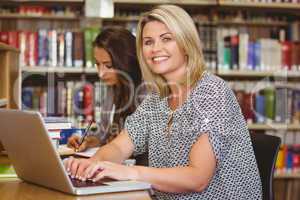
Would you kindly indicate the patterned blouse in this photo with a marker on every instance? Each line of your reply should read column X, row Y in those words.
column 210, row 108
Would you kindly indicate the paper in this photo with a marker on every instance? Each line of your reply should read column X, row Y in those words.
column 88, row 153
column 64, row 150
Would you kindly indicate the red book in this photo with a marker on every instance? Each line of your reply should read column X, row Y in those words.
column 4, row 37
column 286, row 50
column 33, row 48
column 247, row 107
column 13, row 39
column 88, row 101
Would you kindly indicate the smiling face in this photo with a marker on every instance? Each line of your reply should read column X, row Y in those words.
column 162, row 53
column 106, row 72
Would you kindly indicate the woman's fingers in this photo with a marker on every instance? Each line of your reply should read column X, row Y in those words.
column 83, row 146
column 73, row 141
column 93, row 169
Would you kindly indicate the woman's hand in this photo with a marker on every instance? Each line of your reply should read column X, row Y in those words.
column 90, row 141
column 75, row 167
column 104, row 169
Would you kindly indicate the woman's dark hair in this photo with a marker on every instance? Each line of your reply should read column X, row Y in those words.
column 120, row 44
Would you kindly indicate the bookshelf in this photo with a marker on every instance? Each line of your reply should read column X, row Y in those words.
column 258, row 20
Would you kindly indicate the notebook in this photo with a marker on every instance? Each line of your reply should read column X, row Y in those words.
column 35, row 159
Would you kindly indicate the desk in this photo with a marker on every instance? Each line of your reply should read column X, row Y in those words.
column 15, row 189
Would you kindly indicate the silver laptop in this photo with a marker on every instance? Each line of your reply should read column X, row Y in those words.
column 35, row 159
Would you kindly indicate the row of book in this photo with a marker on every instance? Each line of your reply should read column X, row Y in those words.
column 236, row 51
column 54, row 126
column 34, row 10
column 262, row 102
column 74, row 100
column 288, row 158
column 52, row 47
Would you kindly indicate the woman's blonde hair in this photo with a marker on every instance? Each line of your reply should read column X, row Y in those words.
column 185, row 33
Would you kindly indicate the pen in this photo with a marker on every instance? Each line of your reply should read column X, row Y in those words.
column 85, row 133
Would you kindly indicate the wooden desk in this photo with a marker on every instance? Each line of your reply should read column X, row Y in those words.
column 15, row 189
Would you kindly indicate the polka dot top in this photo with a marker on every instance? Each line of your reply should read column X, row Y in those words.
column 210, row 108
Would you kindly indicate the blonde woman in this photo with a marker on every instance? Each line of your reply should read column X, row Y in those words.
column 191, row 124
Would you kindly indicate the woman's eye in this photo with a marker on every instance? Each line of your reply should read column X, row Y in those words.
column 108, row 66
column 147, row 42
column 166, row 39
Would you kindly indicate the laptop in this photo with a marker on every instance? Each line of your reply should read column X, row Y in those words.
column 35, row 159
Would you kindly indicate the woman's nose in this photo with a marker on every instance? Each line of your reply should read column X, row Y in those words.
column 156, row 46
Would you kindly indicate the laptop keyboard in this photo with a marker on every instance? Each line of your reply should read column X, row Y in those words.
column 89, row 183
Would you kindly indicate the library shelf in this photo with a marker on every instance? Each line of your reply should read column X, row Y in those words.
column 286, row 175
column 37, row 17
column 261, row 5
column 251, row 23
column 181, row 2
column 3, row 102
column 92, row 70
column 251, row 73
column 60, row 69
column 215, row 23
column 44, row 69
column 122, row 19
column 274, row 126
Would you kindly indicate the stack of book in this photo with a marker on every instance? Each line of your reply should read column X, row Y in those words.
column 54, row 125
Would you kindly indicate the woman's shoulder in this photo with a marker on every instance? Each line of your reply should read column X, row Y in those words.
column 210, row 84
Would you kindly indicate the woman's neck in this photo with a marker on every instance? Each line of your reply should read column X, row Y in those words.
column 178, row 96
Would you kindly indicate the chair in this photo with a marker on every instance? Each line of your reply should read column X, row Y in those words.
column 265, row 149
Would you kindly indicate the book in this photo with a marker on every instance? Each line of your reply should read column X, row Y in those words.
column 7, row 171
column 57, row 123
column 269, row 94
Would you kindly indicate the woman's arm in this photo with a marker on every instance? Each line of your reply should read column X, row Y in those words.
column 193, row 178
column 117, row 151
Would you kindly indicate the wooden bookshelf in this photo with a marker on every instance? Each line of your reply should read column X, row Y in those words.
column 274, row 126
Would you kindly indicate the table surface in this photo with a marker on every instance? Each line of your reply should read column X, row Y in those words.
column 16, row 189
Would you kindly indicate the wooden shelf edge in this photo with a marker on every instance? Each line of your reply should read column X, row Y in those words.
column 60, row 69
column 8, row 47
column 251, row 73
column 287, row 175
column 49, row 17
column 293, row 6
column 274, row 126
column 181, row 2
